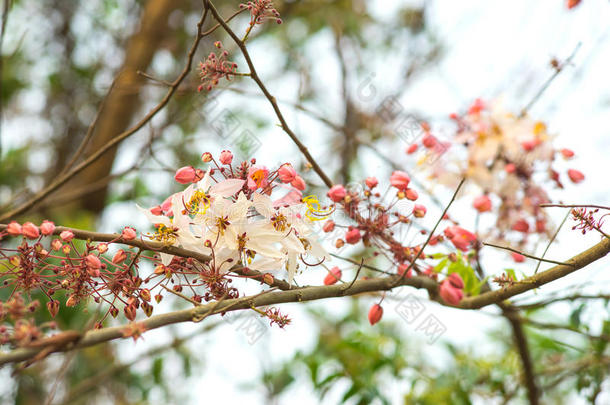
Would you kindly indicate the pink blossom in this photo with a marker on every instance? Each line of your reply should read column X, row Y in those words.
column 510, row 168
column 185, row 175
column 460, row 237
column 226, row 157
column 30, row 231
column 400, row 180
column 129, row 233
column 450, row 294
column 329, row 226
column 156, row 210
column 476, row 107
column 529, row 145
column 56, row 244
column 298, row 183
column 286, row 173
column 402, row 268
column 66, row 236
column 412, row 149
column 411, row 194
column 119, row 257
column 456, row 280
column 482, row 203
column 102, row 247
column 521, row 226
column 540, row 225
column 13, row 228
column 93, row 262
column 353, row 236
column 567, row 153
column 429, row 141
column 333, row 276
column 518, row 258
column 206, row 157
column 371, row 182
column 47, row 227
column 258, row 177
column 375, row 314
column 337, row 193
column 419, row 211
column 575, row 175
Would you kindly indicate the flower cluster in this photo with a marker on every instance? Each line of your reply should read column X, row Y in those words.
column 215, row 68
column 261, row 10
column 231, row 215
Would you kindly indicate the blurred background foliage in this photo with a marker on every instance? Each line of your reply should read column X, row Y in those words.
column 62, row 59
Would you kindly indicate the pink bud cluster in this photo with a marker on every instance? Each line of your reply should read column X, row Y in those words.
column 215, row 68
column 261, row 10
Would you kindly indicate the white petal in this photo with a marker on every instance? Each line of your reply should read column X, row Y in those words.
column 227, row 188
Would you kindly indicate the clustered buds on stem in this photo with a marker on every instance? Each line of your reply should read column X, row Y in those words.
column 261, row 10
column 215, row 68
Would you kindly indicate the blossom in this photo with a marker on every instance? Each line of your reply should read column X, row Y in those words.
column 258, row 177
column 411, row 194
column 371, row 182
column 47, row 227
column 482, row 203
column 261, row 10
column 460, row 237
column 521, row 226
column 185, row 175
column 298, row 183
column 333, row 276
column 449, row 293
column 13, row 228
column 353, row 236
column 30, row 231
column 567, row 153
column 419, row 211
column 337, row 193
column 400, row 180
column 129, row 233
column 329, row 226
column 66, row 236
column 517, row 257
column 575, row 175
column 286, row 173
column 215, row 68
column 226, row 157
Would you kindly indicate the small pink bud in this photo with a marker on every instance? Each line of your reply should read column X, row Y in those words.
column 13, row 228
column 371, row 182
column 156, row 210
column 298, row 183
column 540, row 225
column 286, row 173
column 102, row 248
column 47, row 227
column 510, row 168
column 206, row 157
column 518, row 258
column 185, row 175
column 450, row 294
column 411, row 194
column 567, row 153
column 412, row 149
column 419, row 211
column 352, row 236
column 402, row 268
column 93, row 262
column 72, row 301
column 56, row 244
column 521, row 226
column 129, row 233
column 400, row 180
column 337, row 193
column 30, row 231
column 53, row 307
column 119, row 256
column 130, row 312
column 482, row 203
column 333, row 276
column 375, row 314
column 576, row 176
column 529, row 145
column 66, row 236
column 429, row 141
column 329, row 226
column 456, row 280
column 226, row 157
column 476, row 107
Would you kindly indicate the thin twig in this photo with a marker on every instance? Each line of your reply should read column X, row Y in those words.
column 527, row 254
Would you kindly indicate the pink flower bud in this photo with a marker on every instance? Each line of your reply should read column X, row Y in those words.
column 129, row 233
column 540, row 225
column 119, row 256
column 570, row 4
column 510, row 168
column 206, row 157
column 337, row 193
column 450, row 294
column 30, row 231
column 371, row 182
column 47, row 227
column 419, row 211
column 429, row 141
column 529, row 145
column 286, row 173
column 576, row 176
column 130, row 312
column 56, row 244
column 93, row 262
column 156, row 210
column 53, row 307
column 298, row 183
column 476, row 107
column 518, row 258
column 66, row 236
column 375, row 314
column 482, row 203
column 72, row 301
column 353, row 236
column 521, row 226
column 329, row 226
column 333, row 276
column 411, row 194
column 185, row 175
column 13, row 228
column 400, row 180
column 102, row 248
column 460, row 237
column 567, row 153
column 456, row 280
column 226, row 157
column 412, row 149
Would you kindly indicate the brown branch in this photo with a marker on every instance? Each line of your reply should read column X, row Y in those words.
column 603, row 207
column 63, row 179
column 242, row 46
